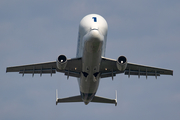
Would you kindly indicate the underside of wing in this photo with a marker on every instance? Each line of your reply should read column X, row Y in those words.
column 73, row 68
column 41, row 68
column 135, row 69
column 109, row 69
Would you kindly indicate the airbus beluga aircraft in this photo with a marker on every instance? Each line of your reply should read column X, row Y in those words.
column 90, row 64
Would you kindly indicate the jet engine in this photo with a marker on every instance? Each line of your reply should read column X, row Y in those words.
column 121, row 63
column 61, row 62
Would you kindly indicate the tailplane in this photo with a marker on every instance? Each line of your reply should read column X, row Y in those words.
column 105, row 100
column 68, row 99
column 78, row 98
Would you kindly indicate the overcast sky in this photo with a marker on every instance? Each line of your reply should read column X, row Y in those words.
column 145, row 31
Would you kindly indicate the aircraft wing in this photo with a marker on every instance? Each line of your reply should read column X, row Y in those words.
column 73, row 68
column 109, row 69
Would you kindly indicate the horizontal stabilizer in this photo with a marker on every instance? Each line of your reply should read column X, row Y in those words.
column 68, row 99
column 78, row 98
column 104, row 100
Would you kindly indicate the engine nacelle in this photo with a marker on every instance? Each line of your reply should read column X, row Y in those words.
column 121, row 63
column 61, row 62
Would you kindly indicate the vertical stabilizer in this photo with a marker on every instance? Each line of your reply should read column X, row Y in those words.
column 56, row 96
column 116, row 99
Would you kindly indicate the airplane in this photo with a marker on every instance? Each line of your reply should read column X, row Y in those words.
column 90, row 63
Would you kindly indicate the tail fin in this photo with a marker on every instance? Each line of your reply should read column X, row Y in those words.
column 116, row 99
column 56, row 96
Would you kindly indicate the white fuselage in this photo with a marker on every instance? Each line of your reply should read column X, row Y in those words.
column 91, row 47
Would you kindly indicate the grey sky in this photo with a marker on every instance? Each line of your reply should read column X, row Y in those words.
column 145, row 31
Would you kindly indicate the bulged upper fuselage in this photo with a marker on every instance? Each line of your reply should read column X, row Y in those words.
column 91, row 46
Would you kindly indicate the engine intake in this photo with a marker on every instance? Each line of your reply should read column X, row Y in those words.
column 61, row 62
column 121, row 63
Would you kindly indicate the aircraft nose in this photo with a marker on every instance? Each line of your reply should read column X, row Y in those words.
column 93, row 41
column 94, row 33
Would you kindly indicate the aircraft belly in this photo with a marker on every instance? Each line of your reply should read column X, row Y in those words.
column 88, row 85
column 91, row 60
column 91, row 63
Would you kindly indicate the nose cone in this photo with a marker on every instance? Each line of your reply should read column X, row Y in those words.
column 95, row 34
column 93, row 41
